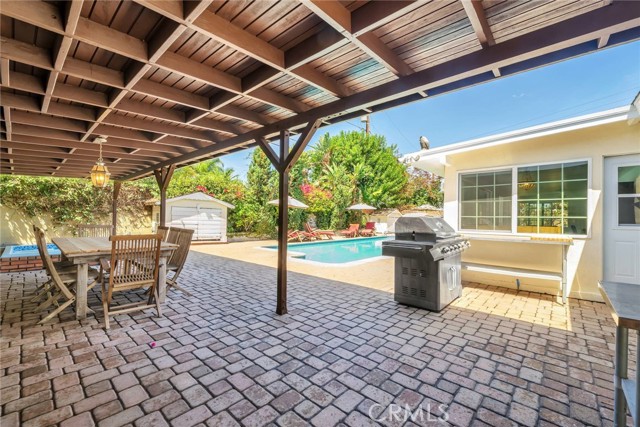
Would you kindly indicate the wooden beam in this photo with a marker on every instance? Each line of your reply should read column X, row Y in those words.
column 339, row 17
column 301, row 143
column 4, row 71
column 114, row 206
column 377, row 13
column 8, row 123
column 73, row 9
column 478, row 19
column 603, row 41
column 463, row 71
column 283, row 226
column 163, row 178
column 263, row 143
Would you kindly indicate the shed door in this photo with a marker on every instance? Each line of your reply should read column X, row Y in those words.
column 206, row 222
column 622, row 219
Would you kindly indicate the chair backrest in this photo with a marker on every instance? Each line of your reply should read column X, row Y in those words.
column 41, row 241
column 163, row 231
column 95, row 230
column 370, row 226
column 134, row 262
column 354, row 227
column 308, row 228
column 182, row 237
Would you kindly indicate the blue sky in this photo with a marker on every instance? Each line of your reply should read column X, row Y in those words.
column 606, row 79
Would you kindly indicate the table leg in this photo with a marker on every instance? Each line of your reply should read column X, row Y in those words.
column 622, row 359
column 81, row 291
column 162, row 280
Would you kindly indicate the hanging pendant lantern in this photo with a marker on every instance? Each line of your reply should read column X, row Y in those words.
column 99, row 173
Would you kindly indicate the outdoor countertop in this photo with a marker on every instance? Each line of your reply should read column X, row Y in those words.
column 624, row 301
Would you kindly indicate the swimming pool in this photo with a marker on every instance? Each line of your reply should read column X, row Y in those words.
column 27, row 250
column 337, row 251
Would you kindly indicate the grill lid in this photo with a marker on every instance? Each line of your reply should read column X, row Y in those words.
column 422, row 228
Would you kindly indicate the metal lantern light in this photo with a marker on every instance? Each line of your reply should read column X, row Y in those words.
column 99, row 173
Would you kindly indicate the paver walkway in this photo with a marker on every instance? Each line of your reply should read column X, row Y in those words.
column 344, row 355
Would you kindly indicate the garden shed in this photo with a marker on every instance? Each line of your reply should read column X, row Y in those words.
column 204, row 214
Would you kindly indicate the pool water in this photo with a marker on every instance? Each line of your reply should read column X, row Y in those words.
column 339, row 251
column 27, row 250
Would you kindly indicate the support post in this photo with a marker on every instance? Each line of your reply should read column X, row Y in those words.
column 114, row 207
column 283, row 226
column 283, row 163
column 163, row 178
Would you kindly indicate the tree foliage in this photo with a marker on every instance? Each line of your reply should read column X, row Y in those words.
column 69, row 201
column 338, row 171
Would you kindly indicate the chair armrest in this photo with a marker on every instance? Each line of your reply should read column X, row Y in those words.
column 105, row 265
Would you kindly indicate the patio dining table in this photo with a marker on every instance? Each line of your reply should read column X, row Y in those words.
column 83, row 251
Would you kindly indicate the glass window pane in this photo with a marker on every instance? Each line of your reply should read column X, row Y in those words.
column 550, row 190
column 576, row 170
column 528, row 174
column 503, row 178
column 575, row 189
column 469, row 194
column 485, row 223
column 485, row 208
column 486, row 193
column 503, row 223
column 527, row 208
column 527, row 190
column 576, row 207
column 550, row 173
column 551, row 208
column 629, row 180
column 467, row 223
column 503, row 209
column 468, row 209
column 628, row 210
column 575, row 226
column 485, row 178
column 468, row 180
column 503, row 191
column 527, row 225
column 550, row 225
column 480, row 198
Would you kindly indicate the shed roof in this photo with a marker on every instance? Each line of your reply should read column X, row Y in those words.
column 175, row 82
column 434, row 160
column 197, row 196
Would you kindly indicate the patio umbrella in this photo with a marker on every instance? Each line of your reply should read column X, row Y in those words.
column 293, row 203
column 361, row 207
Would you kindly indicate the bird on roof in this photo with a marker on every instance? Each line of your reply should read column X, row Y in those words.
column 424, row 143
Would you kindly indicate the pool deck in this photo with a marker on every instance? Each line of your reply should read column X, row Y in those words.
column 377, row 274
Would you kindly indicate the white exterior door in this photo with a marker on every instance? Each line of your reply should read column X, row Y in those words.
column 621, row 204
column 207, row 223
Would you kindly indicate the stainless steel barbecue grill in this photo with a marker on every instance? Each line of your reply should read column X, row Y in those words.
column 427, row 265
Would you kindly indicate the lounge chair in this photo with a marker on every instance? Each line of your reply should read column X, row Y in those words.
column 317, row 233
column 369, row 229
column 298, row 236
column 352, row 231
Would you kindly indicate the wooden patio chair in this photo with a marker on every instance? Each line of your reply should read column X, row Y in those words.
column 352, row 231
column 181, row 237
column 134, row 264
column 63, row 267
column 319, row 234
column 163, row 231
column 369, row 229
column 60, row 284
column 95, row 230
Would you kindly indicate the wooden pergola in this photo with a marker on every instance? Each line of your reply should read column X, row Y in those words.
column 172, row 82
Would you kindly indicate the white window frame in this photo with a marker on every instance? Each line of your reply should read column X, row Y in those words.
column 514, row 197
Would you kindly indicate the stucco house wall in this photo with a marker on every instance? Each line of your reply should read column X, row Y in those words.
column 585, row 256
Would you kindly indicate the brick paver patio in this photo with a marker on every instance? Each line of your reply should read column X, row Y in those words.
column 344, row 355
